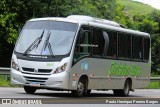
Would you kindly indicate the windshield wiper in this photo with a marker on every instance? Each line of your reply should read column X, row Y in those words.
column 50, row 49
column 33, row 45
column 47, row 43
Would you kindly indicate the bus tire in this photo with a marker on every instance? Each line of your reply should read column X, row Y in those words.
column 88, row 92
column 30, row 90
column 125, row 91
column 80, row 92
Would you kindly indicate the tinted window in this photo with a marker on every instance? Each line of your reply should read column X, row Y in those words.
column 98, row 42
column 137, row 51
column 124, row 45
column 112, row 49
column 83, row 43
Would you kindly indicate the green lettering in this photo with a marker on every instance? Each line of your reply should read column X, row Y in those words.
column 50, row 64
column 124, row 70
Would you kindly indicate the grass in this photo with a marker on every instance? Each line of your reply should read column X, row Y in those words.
column 136, row 8
column 153, row 85
column 154, row 74
column 4, row 82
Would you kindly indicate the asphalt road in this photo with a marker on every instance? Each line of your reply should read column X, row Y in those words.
column 20, row 93
column 65, row 97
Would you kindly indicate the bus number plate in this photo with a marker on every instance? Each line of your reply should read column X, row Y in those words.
column 37, row 84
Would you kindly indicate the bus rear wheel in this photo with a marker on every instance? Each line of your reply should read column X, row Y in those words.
column 123, row 92
column 30, row 90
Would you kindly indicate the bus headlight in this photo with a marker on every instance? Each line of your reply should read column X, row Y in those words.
column 60, row 69
column 14, row 65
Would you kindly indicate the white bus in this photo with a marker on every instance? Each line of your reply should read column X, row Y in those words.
column 80, row 54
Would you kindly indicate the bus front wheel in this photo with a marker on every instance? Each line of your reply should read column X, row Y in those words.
column 80, row 92
column 30, row 90
column 88, row 92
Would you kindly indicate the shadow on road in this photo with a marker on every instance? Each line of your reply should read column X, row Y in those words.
column 69, row 95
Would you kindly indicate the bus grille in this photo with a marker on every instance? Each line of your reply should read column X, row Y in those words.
column 35, row 79
column 39, row 71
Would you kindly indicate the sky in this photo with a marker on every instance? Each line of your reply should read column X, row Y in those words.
column 153, row 3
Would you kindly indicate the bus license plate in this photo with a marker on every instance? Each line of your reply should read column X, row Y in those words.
column 37, row 84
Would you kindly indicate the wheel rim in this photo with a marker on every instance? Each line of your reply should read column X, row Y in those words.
column 80, row 88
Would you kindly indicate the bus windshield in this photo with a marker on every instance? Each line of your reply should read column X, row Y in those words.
column 46, row 38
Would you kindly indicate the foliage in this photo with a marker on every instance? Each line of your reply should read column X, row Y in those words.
column 4, row 82
column 135, row 8
column 153, row 85
column 144, row 24
column 7, row 18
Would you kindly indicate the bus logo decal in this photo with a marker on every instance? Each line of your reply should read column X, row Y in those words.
column 124, row 70
column 36, row 70
column 88, row 45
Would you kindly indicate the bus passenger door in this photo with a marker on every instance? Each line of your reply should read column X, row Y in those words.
column 82, row 48
column 82, row 51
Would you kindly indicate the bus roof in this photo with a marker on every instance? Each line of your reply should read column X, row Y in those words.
column 92, row 21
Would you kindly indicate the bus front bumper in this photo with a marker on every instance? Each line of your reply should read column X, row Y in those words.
column 57, row 81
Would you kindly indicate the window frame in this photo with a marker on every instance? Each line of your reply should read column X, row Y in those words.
column 105, row 51
column 78, row 36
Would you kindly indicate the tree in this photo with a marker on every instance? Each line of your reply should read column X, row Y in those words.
column 8, row 29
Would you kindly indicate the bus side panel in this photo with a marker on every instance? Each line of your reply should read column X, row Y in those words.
column 142, row 80
column 96, row 70
column 108, row 74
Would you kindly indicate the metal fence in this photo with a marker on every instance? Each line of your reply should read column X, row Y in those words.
column 6, row 71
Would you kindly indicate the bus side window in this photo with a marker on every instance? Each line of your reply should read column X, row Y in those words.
column 84, row 43
column 112, row 48
column 137, row 50
column 124, row 45
column 98, row 42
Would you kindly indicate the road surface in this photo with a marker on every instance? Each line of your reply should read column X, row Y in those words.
column 65, row 97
